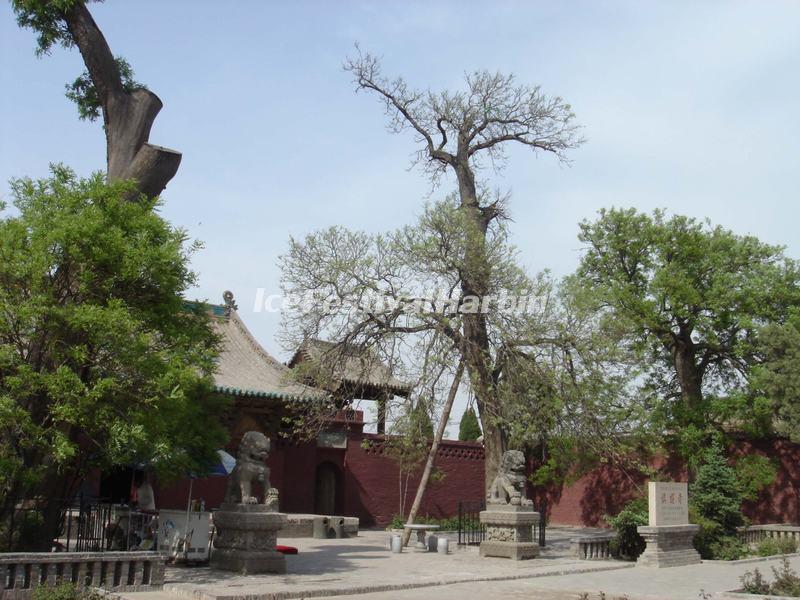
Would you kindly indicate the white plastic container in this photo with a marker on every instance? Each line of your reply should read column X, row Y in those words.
column 443, row 545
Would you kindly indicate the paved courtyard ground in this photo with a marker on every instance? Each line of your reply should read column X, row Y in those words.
column 364, row 566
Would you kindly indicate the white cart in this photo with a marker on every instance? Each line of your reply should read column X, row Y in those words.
column 181, row 542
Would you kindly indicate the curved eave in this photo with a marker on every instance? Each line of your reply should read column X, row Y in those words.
column 398, row 390
column 231, row 391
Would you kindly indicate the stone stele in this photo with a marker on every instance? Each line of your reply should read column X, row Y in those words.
column 247, row 530
column 509, row 516
column 668, row 534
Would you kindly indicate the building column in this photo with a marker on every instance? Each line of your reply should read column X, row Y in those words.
column 381, row 404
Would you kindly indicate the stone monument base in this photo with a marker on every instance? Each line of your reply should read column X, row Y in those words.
column 509, row 532
column 246, row 538
column 668, row 546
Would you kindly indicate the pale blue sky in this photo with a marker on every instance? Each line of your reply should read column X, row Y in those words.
column 690, row 106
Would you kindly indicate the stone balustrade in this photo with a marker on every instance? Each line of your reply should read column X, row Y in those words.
column 22, row 572
column 755, row 533
column 592, row 547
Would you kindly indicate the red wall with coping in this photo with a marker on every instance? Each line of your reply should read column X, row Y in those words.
column 369, row 479
column 606, row 489
column 370, row 489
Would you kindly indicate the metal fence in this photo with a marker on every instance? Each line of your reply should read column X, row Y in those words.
column 541, row 530
column 85, row 525
column 470, row 530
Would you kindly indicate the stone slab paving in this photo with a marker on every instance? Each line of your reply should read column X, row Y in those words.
column 639, row 583
column 363, row 565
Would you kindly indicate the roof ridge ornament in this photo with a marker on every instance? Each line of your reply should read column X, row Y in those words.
column 230, row 304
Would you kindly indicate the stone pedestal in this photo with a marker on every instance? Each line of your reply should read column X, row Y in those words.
column 246, row 539
column 509, row 531
column 668, row 546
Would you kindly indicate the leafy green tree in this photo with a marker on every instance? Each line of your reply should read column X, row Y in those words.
column 691, row 298
column 469, row 429
column 775, row 381
column 107, row 86
column 102, row 361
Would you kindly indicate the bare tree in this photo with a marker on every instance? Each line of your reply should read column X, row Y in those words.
column 128, row 110
column 455, row 131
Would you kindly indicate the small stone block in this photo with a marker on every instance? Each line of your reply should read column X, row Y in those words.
column 512, row 550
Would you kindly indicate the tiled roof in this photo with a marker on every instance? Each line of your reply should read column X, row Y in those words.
column 245, row 369
column 350, row 365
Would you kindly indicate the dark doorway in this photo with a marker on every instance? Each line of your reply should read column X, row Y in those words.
column 116, row 485
column 327, row 490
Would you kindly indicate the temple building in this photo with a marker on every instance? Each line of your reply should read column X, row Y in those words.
column 348, row 375
column 343, row 469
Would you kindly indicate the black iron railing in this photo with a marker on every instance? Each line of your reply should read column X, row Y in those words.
column 472, row 533
column 542, row 528
column 470, row 530
column 85, row 525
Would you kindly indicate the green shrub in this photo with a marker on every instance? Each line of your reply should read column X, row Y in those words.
column 446, row 524
column 64, row 591
column 629, row 544
column 753, row 582
column 776, row 546
column 709, row 534
column 397, row 522
column 713, row 542
column 728, row 547
column 787, row 581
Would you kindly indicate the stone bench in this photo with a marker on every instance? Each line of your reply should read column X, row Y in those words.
column 302, row 525
column 596, row 546
column 22, row 572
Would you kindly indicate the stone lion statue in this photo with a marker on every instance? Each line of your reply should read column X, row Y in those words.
column 250, row 467
column 508, row 486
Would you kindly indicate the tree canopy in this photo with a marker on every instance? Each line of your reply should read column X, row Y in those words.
column 775, row 380
column 692, row 299
column 102, row 361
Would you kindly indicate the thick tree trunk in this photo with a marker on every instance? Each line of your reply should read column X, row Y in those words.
column 477, row 353
column 128, row 117
column 437, row 439
column 690, row 381
column 55, row 491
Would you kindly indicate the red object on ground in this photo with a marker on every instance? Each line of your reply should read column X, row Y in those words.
column 286, row 549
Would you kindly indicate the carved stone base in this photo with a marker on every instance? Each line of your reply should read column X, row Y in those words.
column 509, row 532
column 668, row 546
column 246, row 539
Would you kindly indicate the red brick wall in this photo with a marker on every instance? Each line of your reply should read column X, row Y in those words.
column 371, row 492
column 605, row 490
column 369, row 487
column 780, row 502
